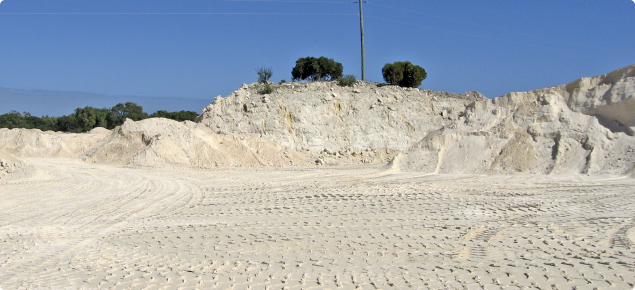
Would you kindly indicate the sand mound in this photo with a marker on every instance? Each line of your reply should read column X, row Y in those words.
column 160, row 141
column 36, row 143
column 12, row 167
column 581, row 127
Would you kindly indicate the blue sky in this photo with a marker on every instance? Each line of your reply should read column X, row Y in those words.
column 203, row 48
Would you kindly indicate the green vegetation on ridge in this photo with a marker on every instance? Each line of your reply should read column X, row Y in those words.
column 404, row 74
column 87, row 118
column 317, row 69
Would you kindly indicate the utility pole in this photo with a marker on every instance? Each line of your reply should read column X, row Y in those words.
column 361, row 26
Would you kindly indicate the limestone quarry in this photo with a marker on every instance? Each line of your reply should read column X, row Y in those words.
column 318, row 186
column 584, row 127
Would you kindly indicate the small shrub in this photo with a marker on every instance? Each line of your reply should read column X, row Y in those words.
column 379, row 85
column 348, row 81
column 282, row 81
column 404, row 74
column 264, row 74
column 266, row 89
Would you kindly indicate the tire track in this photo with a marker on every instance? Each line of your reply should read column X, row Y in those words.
column 99, row 208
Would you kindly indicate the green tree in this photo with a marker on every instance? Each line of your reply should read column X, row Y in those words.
column 317, row 69
column 393, row 73
column 186, row 116
column 404, row 74
column 177, row 116
column 101, row 118
column 25, row 120
column 120, row 112
column 67, row 124
column 330, row 68
column 11, row 120
column 86, row 118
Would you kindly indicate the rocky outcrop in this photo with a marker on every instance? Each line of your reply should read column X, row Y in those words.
column 322, row 116
column 581, row 127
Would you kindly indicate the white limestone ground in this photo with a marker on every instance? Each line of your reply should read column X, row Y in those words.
column 586, row 127
column 86, row 225
column 322, row 187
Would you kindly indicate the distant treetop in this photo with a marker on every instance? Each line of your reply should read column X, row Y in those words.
column 317, row 69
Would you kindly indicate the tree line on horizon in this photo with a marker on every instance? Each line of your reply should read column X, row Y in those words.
column 88, row 118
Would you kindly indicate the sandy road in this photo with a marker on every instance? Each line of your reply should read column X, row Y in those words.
column 80, row 225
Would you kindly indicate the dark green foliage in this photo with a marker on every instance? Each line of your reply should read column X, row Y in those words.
column 67, row 124
column 413, row 76
column 404, row 74
column 348, row 81
column 393, row 73
column 128, row 110
column 305, row 68
column 264, row 74
column 317, row 69
column 15, row 119
column 12, row 120
column 177, row 116
column 85, row 119
column 330, row 68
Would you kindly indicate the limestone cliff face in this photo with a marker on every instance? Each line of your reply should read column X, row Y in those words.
column 585, row 126
column 322, row 116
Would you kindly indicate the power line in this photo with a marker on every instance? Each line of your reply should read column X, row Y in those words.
column 197, row 13
column 448, row 30
column 446, row 18
column 288, row 1
column 471, row 23
column 463, row 33
column 171, row 13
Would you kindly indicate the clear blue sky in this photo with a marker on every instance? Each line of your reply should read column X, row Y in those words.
column 205, row 48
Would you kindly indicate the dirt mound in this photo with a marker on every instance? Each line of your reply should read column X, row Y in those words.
column 568, row 129
column 12, row 167
column 36, row 143
column 160, row 141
